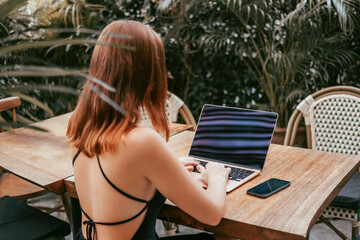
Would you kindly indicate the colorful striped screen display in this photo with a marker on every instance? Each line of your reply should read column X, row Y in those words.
column 233, row 135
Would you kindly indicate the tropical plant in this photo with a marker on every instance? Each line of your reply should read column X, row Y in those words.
column 36, row 67
column 46, row 48
column 232, row 52
column 283, row 44
column 201, row 75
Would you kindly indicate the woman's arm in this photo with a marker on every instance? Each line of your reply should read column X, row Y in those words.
column 159, row 164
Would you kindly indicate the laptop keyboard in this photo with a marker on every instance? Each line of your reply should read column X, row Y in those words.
column 236, row 174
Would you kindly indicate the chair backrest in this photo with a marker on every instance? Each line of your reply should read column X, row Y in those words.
column 174, row 106
column 8, row 104
column 332, row 119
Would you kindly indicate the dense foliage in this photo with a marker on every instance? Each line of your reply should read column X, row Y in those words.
column 261, row 54
column 287, row 49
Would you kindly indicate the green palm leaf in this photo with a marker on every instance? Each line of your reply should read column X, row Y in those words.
column 7, row 7
column 58, row 42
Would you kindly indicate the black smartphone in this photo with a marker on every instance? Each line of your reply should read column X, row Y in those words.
column 268, row 188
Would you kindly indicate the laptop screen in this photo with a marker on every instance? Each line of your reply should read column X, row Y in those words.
column 233, row 135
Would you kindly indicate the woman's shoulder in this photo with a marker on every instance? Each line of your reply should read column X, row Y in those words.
column 144, row 139
column 138, row 134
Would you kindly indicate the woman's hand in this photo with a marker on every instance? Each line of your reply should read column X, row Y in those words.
column 189, row 164
column 214, row 170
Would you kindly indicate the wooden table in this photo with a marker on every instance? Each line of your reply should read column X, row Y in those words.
column 39, row 157
column 44, row 158
column 316, row 177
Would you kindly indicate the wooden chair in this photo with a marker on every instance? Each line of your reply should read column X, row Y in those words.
column 174, row 106
column 332, row 120
column 12, row 185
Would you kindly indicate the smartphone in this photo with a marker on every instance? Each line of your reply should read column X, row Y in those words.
column 268, row 188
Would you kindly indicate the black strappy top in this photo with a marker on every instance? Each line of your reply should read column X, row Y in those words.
column 146, row 229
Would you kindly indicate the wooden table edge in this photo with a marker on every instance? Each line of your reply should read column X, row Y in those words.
column 57, row 187
column 70, row 187
column 226, row 227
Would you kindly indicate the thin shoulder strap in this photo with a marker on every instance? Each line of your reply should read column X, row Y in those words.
column 118, row 189
column 115, row 223
column 76, row 155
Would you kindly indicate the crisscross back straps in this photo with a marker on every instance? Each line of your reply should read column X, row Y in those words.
column 91, row 227
column 118, row 189
column 90, row 224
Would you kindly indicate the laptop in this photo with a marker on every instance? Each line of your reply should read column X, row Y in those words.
column 239, row 138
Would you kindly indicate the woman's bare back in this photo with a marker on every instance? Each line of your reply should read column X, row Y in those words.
column 102, row 202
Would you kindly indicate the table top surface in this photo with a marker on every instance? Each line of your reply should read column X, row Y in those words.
column 44, row 158
column 39, row 157
column 316, row 177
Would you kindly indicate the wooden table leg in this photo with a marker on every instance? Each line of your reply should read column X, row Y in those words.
column 327, row 222
column 66, row 202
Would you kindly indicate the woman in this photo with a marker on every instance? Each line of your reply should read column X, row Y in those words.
column 123, row 171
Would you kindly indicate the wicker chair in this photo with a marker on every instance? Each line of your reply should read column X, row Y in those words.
column 332, row 120
column 174, row 106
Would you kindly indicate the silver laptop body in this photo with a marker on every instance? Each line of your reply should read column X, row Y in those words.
column 239, row 138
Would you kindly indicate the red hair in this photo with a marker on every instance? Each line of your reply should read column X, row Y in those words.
column 139, row 77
